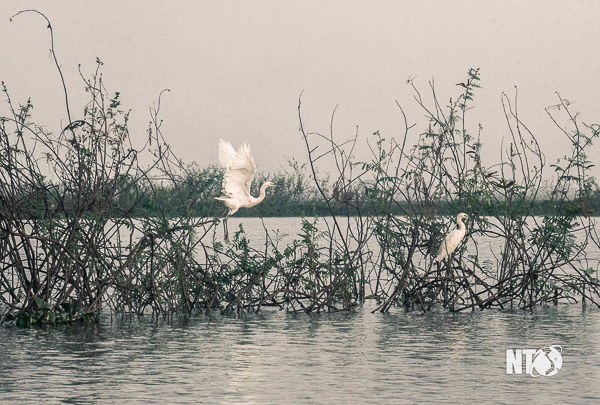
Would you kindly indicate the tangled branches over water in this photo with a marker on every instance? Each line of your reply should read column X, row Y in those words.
column 84, row 225
column 538, row 259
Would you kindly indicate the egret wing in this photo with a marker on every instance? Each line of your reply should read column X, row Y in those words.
column 226, row 153
column 442, row 251
column 448, row 245
column 453, row 240
column 240, row 174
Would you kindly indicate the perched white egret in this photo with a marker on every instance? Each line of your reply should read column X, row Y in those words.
column 239, row 173
column 453, row 239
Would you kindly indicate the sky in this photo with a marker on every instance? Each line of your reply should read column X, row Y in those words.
column 235, row 69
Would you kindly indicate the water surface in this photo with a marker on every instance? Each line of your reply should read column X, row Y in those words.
column 278, row 357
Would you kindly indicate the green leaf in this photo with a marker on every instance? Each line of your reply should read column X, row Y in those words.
column 24, row 320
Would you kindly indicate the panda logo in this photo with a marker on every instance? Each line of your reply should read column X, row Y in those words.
column 547, row 361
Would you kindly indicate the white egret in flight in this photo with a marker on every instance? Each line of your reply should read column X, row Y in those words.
column 453, row 239
column 239, row 173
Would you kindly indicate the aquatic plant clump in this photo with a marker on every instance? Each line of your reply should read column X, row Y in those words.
column 541, row 254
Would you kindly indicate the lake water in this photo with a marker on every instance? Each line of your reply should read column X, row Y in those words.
column 282, row 358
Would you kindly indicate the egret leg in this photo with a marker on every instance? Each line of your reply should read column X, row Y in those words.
column 441, row 285
column 226, row 230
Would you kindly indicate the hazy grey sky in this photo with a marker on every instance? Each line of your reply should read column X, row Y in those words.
column 236, row 69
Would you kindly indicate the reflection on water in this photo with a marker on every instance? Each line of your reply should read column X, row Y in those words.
column 276, row 357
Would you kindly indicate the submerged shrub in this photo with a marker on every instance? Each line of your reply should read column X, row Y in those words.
column 101, row 230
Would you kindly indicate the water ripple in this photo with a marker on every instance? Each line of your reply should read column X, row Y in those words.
column 277, row 357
